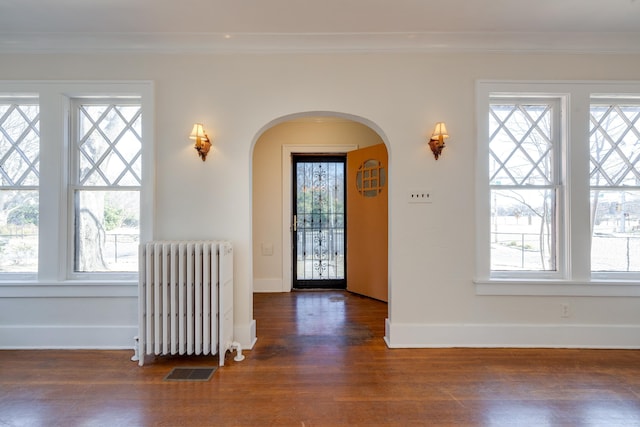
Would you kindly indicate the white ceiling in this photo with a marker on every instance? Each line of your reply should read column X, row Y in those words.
column 320, row 25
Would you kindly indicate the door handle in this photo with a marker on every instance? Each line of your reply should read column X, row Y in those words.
column 295, row 223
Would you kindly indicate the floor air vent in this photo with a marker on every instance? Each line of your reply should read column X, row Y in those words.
column 190, row 374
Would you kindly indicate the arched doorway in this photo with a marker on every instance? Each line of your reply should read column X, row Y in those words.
column 314, row 132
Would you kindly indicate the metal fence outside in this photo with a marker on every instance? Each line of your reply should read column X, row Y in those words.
column 521, row 251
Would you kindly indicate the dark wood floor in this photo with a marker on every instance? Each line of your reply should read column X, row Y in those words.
column 320, row 361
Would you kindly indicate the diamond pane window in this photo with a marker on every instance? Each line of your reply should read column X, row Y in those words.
column 109, row 145
column 19, row 180
column 19, row 145
column 615, row 145
column 615, row 186
column 524, row 185
column 520, row 144
column 106, row 196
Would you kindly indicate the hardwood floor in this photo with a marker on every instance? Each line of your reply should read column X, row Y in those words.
column 320, row 360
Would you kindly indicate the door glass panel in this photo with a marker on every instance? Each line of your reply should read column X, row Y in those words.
column 320, row 219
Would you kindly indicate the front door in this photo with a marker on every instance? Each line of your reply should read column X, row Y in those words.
column 367, row 243
column 319, row 221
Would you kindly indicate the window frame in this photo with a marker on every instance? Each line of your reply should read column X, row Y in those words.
column 53, row 277
column 557, row 184
column 576, row 278
column 75, row 186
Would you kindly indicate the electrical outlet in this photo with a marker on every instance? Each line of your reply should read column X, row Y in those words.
column 420, row 196
column 267, row 249
column 564, row 311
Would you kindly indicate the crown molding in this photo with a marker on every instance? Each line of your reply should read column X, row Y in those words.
column 427, row 42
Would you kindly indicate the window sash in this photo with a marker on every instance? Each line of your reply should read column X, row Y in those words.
column 612, row 129
column 110, row 216
column 108, row 146
column 524, row 236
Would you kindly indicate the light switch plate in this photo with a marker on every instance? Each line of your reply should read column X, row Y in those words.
column 420, row 196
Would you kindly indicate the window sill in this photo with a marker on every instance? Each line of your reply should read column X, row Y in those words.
column 69, row 289
column 609, row 288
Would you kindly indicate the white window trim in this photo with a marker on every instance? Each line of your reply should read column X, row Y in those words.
column 54, row 97
column 576, row 279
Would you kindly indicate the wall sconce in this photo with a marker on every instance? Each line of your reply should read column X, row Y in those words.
column 437, row 139
column 203, row 145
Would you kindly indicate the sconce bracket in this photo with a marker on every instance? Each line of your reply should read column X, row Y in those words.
column 202, row 147
column 436, row 146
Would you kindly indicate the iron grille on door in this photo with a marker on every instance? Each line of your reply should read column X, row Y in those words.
column 319, row 222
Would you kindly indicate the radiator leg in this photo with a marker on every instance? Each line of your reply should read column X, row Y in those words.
column 239, row 357
column 138, row 352
column 136, row 343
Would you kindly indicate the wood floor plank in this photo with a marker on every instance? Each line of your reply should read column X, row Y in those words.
column 320, row 360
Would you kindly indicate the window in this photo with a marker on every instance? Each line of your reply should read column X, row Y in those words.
column 615, row 185
column 106, row 184
column 558, row 188
column 525, row 185
column 19, row 179
column 76, row 194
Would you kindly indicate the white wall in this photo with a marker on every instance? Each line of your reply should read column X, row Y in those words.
column 431, row 253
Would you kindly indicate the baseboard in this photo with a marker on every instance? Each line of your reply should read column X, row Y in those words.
column 91, row 337
column 267, row 285
column 67, row 337
column 402, row 335
column 405, row 335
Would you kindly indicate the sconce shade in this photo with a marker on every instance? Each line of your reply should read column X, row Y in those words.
column 440, row 130
column 198, row 132
column 203, row 145
column 437, row 139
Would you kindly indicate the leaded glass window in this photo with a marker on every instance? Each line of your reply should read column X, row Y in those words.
column 19, row 182
column 107, row 180
column 615, row 185
column 524, row 182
